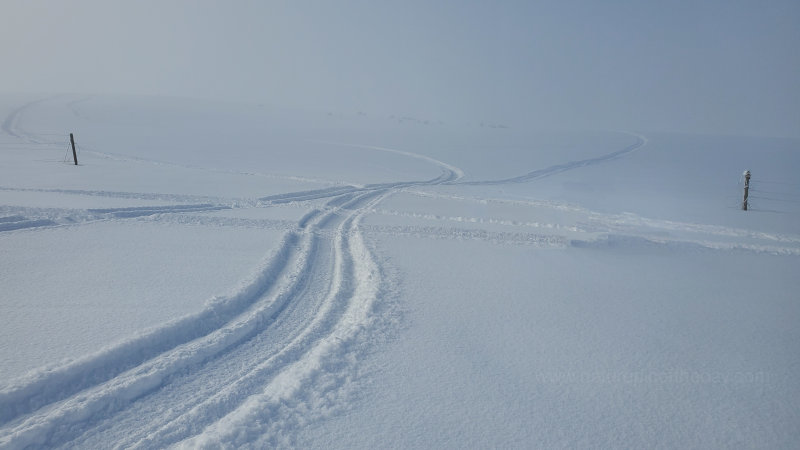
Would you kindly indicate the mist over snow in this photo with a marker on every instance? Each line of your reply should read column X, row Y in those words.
column 413, row 225
column 711, row 67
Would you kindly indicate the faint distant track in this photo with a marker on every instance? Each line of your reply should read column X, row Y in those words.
column 72, row 105
column 140, row 211
column 455, row 171
column 10, row 124
column 470, row 234
column 553, row 170
column 11, row 120
column 447, row 175
column 132, row 195
column 308, row 195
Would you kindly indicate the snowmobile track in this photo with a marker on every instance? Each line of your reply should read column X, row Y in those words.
column 311, row 296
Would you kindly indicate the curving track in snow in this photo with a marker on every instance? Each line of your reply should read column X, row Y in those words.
column 242, row 369
column 311, row 300
column 641, row 141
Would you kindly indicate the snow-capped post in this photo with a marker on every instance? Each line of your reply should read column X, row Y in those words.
column 74, row 155
column 746, row 188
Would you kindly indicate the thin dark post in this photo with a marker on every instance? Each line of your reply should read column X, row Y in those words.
column 746, row 188
column 75, row 155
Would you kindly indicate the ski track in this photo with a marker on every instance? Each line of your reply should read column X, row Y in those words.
column 12, row 223
column 152, row 210
column 10, row 122
column 279, row 350
column 10, row 125
column 641, row 141
column 594, row 230
column 463, row 234
column 134, row 195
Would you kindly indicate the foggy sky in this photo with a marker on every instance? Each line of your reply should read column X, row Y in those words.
column 727, row 66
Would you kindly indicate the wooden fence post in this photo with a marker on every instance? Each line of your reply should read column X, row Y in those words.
column 746, row 189
column 74, row 155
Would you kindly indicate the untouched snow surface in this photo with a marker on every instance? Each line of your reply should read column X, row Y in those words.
column 229, row 275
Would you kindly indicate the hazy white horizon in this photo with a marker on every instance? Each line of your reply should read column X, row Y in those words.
column 716, row 67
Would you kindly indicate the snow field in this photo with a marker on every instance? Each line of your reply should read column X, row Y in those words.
column 521, row 346
column 409, row 285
